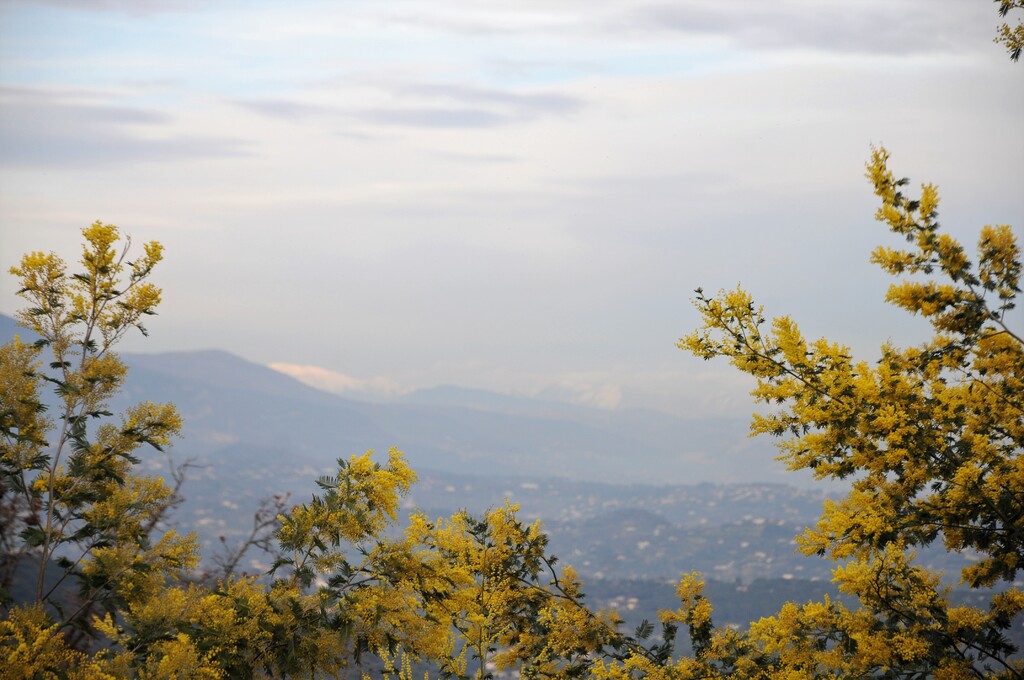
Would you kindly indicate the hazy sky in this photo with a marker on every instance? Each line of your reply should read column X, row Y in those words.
column 512, row 195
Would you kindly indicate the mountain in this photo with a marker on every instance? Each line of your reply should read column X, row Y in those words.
column 9, row 328
column 227, row 401
column 717, row 446
column 486, row 400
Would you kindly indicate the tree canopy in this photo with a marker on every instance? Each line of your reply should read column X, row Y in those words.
column 1011, row 37
column 930, row 437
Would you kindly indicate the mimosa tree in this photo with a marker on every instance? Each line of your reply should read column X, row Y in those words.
column 930, row 438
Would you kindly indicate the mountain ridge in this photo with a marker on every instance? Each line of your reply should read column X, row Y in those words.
column 226, row 400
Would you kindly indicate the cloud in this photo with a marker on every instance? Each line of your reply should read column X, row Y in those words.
column 435, row 117
column 519, row 103
column 129, row 7
column 486, row 158
column 471, row 106
column 866, row 27
column 889, row 27
column 338, row 383
column 585, row 390
column 288, row 109
column 498, row 20
column 61, row 128
column 420, row 104
column 906, row 27
column 434, row 105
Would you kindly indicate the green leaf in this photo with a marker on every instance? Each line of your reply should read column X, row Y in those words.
column 33, row 536
column 644, row 630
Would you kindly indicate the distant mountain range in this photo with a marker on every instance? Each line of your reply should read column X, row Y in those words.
column 231, row 406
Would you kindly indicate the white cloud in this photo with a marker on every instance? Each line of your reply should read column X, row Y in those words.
column 586, row 390
column 870, row 27
column 338, row 383
column 73, row 127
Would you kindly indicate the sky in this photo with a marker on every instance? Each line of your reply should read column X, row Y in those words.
column 384, row 196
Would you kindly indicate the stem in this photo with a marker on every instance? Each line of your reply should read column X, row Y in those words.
column 98, row 306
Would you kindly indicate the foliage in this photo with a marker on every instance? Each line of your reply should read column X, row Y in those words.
column 931, row 438
column 1011, row 37
column 72, row 503
column 502, row 601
